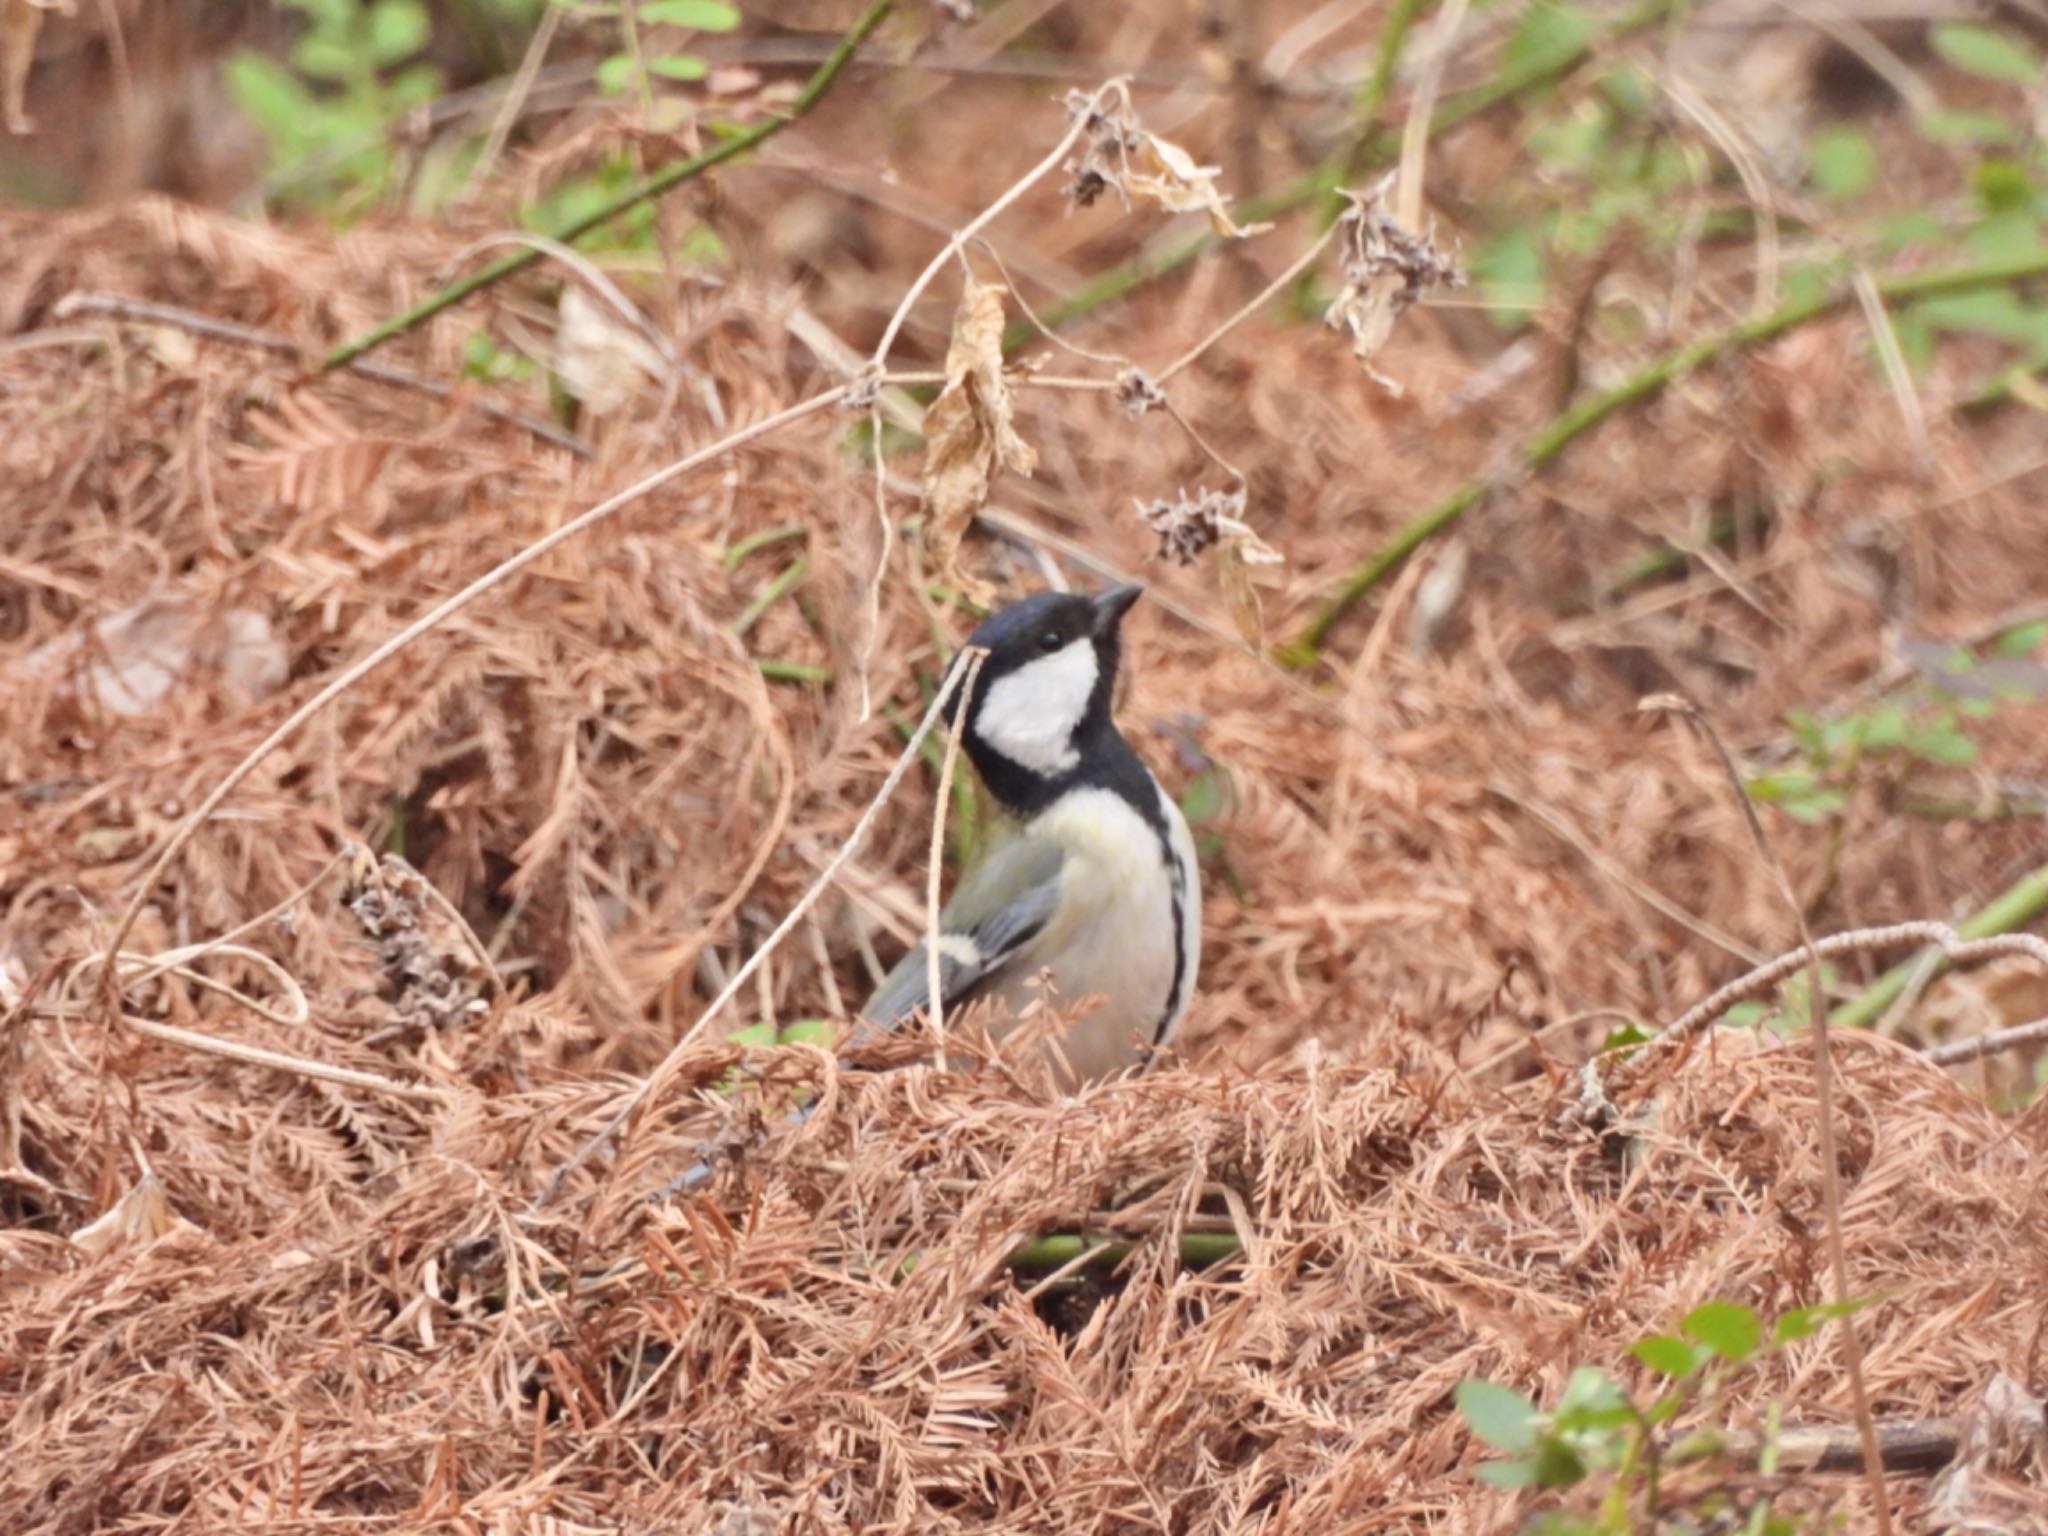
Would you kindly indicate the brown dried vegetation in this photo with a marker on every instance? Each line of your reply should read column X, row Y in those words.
column 1443, row 875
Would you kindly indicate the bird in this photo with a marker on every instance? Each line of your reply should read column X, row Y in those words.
column 1087, row 875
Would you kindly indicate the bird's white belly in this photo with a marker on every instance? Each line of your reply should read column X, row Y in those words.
column 1115, row 936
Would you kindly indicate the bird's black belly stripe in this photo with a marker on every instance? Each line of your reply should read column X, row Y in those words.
column 1177, row 881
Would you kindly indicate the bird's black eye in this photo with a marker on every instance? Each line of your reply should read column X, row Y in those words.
column 1050, row 640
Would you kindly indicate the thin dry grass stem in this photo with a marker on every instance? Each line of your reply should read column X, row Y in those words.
column 513, row 106
column 971, row 659
column 955, row 248
column 1893, row 358
column 651, row 1088
column 1755, row 185
column 1824, row 1093
column 349, row 676
column 147, row 312
column 282, row 1061
column 1415, row 131
column 1257, row 302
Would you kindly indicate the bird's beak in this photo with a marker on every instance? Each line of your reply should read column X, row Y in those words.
column 1111, row 606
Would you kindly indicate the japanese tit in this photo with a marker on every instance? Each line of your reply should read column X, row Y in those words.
column 1088, row 873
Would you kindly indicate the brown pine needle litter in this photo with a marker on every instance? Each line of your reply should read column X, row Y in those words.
column 333, row 1300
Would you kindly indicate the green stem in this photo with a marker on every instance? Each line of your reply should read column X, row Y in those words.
column 1066, row 1247
column 785, row 583
column 2013, row 908
column 654, row 186
column 1588, row 413
column 792, row 671
column 735, row 553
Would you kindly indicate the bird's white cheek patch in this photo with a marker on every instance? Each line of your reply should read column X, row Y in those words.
column 1030, row 715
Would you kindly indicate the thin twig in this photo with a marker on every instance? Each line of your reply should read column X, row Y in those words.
column 145, row 312
column 654, row 186
column 955, row 248
column 1295, row 268
column 971, row 660
column 1824, row 1087
column 1958, row 948
column 650, row 1088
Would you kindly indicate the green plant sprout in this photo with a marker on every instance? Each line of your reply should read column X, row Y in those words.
column 1924, row 726
column 1599, row 1433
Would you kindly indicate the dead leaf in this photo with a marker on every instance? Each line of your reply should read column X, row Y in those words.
column 1386, row 269
column 140, row 1216
column 1175, row 182
column 1118, row 153
column 970, row 435
column 605, row 362
column 1189, row 525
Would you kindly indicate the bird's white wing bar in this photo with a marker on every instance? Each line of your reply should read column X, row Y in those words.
column 996, row 912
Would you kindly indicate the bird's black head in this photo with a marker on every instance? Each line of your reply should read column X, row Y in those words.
column 1041, row 700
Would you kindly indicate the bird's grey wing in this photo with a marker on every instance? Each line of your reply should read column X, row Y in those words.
column 1000, row 906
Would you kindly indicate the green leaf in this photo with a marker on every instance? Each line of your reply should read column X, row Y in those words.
column 1510, row 270
column 1503, row 1418
column 1987, row 312
column 1509, row 1474
column 1901, row 230
column 1884, row 727
column 699, row 15
column 1558, row 1465
column 2023, row 639
column 1624, row 1037
column 1548, row 36
column 327, row 57
column 398, row 30
column 1589, row 1391
column 1842, row 163
column 1730, row 1331
column 754, row 1035
column 810, row 1032
column 1946, row 746
column 616, row 75
column 1667, row 1356
column 1981, row 51
column 678, row 66
column 2002, row 185
column 1966, row 128
column 271, row 94
column 2006, row 236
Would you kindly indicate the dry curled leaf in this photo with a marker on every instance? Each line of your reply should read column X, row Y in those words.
column 969, row 432
column 1386, row 269
column 1118, row 153
column 140, row 1216
column 605, row 362
column 1189, row 525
